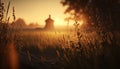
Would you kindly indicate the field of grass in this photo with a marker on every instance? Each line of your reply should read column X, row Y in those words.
column 66, row 50
column 36, row 49
column 96, row 48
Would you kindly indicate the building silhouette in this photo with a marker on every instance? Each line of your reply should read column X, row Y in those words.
column 49, row 23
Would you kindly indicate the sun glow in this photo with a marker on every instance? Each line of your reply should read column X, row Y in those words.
column 81, row 22
column 37, row 11
column 59, row 22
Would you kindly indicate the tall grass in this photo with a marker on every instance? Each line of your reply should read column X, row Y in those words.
column 57, row 50
column 8, row 54
column 98, row 49
column 92, row 50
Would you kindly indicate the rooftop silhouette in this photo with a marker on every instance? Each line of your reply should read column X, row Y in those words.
column 49, row 23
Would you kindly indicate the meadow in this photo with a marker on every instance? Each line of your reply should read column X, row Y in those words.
column 67, row 50
column 97, row 48
column 70, row 49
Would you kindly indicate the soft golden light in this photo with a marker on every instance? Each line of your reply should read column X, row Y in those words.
column 37, row 11
column 59, row 22
column 81, row 22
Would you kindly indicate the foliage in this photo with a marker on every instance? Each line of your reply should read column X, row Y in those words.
column 94, row 49
column 98, row 13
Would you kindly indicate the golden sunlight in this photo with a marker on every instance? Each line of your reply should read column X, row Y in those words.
column 36, row 11
column 59, row 22
column 81, row 22
column 38, row 34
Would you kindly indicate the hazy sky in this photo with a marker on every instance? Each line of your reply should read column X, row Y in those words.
column 38, row 10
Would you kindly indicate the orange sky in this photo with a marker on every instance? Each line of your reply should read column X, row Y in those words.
column 38, row 10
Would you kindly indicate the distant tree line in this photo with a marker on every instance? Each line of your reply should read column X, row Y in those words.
column 21, row 24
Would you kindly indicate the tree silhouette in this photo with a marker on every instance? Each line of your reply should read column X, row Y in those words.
column 19, row 24
column 104, row 14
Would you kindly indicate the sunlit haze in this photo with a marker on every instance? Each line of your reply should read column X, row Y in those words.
column 37, row 11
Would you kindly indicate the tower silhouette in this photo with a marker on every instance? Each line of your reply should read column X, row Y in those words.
column 49, row 23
